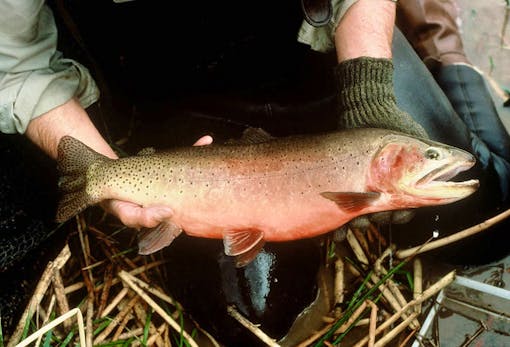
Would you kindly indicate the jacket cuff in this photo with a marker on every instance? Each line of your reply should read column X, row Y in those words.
column 30, row 94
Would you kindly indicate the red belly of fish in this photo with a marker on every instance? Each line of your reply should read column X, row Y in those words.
column 279, row 219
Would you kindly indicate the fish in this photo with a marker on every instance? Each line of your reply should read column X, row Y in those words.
column 266, row 189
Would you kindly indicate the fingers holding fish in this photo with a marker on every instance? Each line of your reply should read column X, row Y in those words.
column 135, row 216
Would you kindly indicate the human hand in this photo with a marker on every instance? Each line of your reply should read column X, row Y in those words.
column 366, row 98
column 136, row 216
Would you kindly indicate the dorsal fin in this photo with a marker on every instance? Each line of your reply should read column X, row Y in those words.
column 251, row 136
column 147, row 151
column 255, row 135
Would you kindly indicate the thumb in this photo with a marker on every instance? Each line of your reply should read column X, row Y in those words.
column 136, row 216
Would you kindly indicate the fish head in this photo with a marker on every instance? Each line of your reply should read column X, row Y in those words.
column 416, row 172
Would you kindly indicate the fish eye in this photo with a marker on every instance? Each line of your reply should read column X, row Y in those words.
column 432, row 153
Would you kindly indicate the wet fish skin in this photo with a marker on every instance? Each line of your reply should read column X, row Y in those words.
column 277, row 190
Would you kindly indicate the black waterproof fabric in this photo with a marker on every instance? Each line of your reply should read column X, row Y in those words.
column 467, row 91
column 28, row 199
column 467, row 122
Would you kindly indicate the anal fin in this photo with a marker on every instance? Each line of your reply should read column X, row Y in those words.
column 244, row 245
column 151, row 240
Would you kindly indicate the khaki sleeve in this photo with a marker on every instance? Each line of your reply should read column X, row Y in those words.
column 34, row 77
column 322, row 39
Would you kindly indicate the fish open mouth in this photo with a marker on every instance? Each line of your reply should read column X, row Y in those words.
column 437, row 182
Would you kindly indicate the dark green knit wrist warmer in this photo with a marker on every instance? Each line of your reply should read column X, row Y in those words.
column 366, row 98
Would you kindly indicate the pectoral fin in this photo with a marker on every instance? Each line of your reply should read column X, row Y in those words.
column 243, row 244
column 352, row 201
column 153, row 239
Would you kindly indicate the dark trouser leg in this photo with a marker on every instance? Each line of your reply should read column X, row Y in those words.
column 432, row 30
column 468, row 93
column 418, row 93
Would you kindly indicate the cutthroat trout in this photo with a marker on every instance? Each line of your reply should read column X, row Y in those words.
column 272, row 190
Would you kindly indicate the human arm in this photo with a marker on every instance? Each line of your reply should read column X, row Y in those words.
column 67, row 119
column 71, row 119
column 366, row 30
column 364, row 74
column 44, row 95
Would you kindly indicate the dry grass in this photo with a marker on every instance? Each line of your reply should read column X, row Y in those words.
column 115, row 294
column 118, row 300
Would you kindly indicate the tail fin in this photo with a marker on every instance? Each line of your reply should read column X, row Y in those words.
column 74, row 158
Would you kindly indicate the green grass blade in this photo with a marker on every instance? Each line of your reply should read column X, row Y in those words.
column 1, row 333
column 102, row 326
column 128, row 342
column 26, row 328
column 47, row 339
column 68, row 339
column 146, row 328
column 353, row 305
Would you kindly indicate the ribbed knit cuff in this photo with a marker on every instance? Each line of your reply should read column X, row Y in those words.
column 366, row 97
column 363, row 82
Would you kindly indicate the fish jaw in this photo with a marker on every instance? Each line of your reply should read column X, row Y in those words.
column 436, row 184
column 417, row 172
